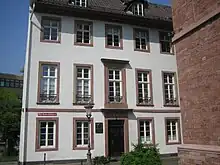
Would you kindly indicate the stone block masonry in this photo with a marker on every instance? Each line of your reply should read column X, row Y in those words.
column 197, row 42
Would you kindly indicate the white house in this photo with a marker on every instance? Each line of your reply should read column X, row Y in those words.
column 116, row 54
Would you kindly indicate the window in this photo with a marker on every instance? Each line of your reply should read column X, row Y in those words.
column 172, row 130
column 141, row 40
column 81, row 3
column 114, row 86
column 81, row 131
column 83, row 31
column 165, row 42
column 49, row 83
column 146, row 133
column 12, row 83
column 113, row 36
column 83, row 84
column 138, row 9
column 82, row 128
column 2, row 82
column 17, row 84
column 170, row 91
column 7, row 83
column 21, row 83
column 51, row 29
column 144, row 87
column 47, row 134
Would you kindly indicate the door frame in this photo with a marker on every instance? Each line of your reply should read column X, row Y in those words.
column 126, row 138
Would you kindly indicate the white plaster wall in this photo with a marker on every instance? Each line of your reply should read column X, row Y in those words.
column 67, row 54
column 65, row 143
column 159, row 125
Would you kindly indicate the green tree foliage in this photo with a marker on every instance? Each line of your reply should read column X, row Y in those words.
column 10, row 110
column 142, row 155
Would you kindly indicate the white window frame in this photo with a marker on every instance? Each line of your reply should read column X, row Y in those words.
column 162, row 40
column 83, row 79
column 48, row 82
column 111, row 31
column 171, row 85
column 140, row 9
column 151, row 131
column 114, row 80
column 82, row 133
column 171, row 123
column 46, row 134
column 51, row 27
column 81, row 2
column 138, row 34
column 142, row 82
column 82, row 30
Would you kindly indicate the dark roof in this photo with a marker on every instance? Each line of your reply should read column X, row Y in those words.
column 152, row 11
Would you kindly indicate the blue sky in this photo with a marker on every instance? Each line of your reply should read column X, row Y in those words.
column 13, row 32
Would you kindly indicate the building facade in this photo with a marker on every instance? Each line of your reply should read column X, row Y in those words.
column 115, row 54
column 197, row 43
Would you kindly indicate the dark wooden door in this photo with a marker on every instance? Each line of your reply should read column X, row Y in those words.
column 116, row 137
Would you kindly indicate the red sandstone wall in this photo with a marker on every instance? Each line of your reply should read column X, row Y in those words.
column 198, row 60
column 186, row 12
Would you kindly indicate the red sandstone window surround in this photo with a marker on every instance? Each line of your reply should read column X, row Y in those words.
column 146, row 130
column 166, row 46
column 81, row 130
column 47, row 134
column 83, row 83
column 144, row 89
column 141, row 40
column 173, row 131
column 51, row 29
column 48, row 83
column 83, row 33
column 170, row 89
column 113, row 36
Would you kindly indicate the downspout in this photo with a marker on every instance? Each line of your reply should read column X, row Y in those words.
column 25, row 100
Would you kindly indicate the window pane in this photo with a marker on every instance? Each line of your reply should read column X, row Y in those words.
column 42, row 142
column 116, row 40
column 54, row 34
column 109, row 39
column 46, row 22
column 86, row 27
column 137, row 43
column 45, row 70
column 110, row 74
column 79, row 36
column 46, row 33
column 52, row 71
column 50, row 142
column 79, row 72
column 86, row 73
column 86, row 37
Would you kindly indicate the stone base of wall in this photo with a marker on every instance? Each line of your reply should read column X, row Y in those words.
column 199, row 155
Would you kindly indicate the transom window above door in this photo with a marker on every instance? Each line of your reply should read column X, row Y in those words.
column 141, row 39
column 48, row 83
column 84, row 81
column 51, row 28
column 83, row 33
column 113, row 36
